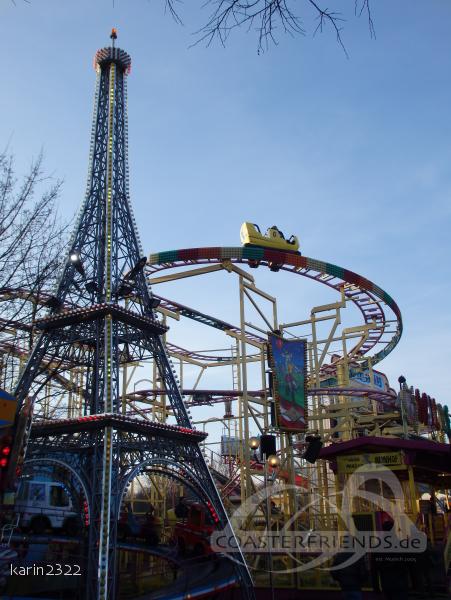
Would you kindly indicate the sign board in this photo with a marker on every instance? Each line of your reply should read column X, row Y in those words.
column 349, row 463
column 288, row 362
column 363, row 377
column 230, row 446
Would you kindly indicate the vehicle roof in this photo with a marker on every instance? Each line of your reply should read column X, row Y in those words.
column 45, row 481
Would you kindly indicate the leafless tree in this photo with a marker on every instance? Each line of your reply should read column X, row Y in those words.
column 268, row 18
column 32, row 238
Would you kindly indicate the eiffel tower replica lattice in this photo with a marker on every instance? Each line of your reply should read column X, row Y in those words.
column 102, row 317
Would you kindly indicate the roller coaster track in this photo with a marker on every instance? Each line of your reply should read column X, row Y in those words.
column 201, row 317
column 43, row 298
column 196, row 577
column 370, row 393
column 201, row 397
column 371, row 300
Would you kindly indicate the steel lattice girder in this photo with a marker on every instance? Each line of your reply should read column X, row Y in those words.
column 170, row 455
column 91, row 324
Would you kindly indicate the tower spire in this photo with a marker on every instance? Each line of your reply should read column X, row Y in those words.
column 113, row 36
column 102, row 319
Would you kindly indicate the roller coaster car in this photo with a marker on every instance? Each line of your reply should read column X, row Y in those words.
column 252, row 236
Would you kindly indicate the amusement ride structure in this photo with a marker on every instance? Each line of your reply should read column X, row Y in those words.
column 83, row 417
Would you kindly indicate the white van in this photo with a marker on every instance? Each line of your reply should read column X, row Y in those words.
column 45, row 505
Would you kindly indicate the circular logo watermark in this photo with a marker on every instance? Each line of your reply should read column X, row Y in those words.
column 258, row 527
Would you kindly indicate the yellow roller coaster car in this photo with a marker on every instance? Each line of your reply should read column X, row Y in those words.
column 252, row 236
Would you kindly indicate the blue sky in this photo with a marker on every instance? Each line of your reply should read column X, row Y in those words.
column 353, row 155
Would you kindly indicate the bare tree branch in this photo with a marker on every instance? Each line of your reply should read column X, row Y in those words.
column 32, row 238
column 363, row 6
column 269, row 18
column 169, row 7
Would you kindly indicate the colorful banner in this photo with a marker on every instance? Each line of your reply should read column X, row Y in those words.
column 288, row 362
column 8, row 405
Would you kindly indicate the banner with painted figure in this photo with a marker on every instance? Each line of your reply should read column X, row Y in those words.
column 288, row 362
